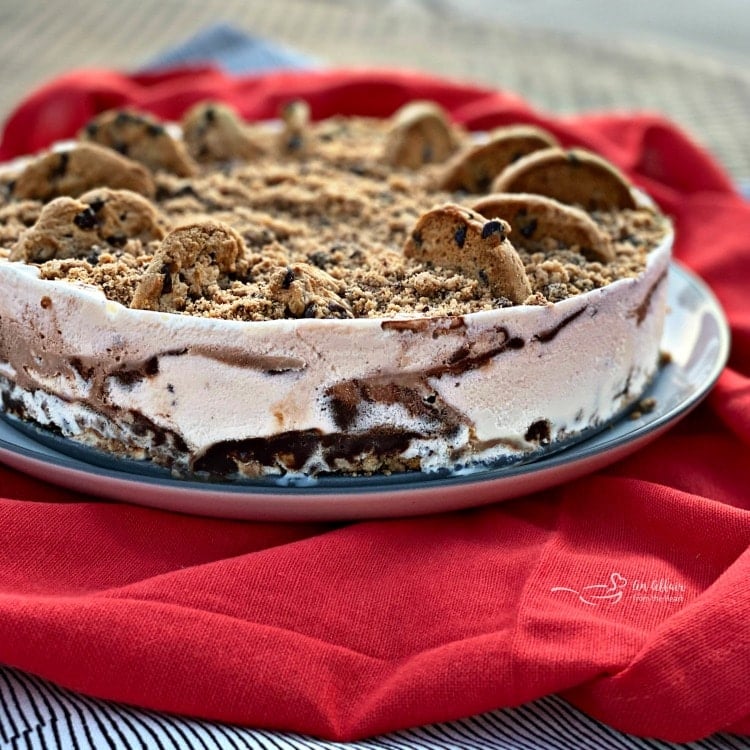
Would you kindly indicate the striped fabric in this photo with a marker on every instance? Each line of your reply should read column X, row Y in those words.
column 36, row 715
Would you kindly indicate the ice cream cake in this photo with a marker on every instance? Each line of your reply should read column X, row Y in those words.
column 234, row 300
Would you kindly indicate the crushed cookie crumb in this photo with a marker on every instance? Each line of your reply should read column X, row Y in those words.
column 338, row 211
column 643, row 407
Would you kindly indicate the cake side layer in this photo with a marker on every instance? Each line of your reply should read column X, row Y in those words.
column 280, row 395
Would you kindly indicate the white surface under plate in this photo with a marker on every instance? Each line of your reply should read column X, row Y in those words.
column 696, row 338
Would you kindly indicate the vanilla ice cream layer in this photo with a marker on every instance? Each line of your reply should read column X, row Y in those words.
column 311, row 395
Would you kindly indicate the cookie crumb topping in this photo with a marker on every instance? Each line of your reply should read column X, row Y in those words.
column 335, row 219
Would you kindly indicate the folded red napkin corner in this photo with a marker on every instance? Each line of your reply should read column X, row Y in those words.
column 626, row 591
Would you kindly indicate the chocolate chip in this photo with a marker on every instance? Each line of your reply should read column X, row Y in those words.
column 417, row 238
column 335, row 308
column 96, row 205
column 319, row 259
column 154, row 129
column 62, row 166
column 86, row 220
column 288, row 279
column 123, row 118
column 116, row 240
column 483, row 276
column 460, row 235
column 528, row 229
column 515, row 343
column 539, row 432
column 167, row 285
column 210, row 114
column 310, row 310
column 493, row 227
column 151, row 367
column 91, row 129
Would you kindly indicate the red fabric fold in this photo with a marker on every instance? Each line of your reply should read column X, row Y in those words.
column 345, row 631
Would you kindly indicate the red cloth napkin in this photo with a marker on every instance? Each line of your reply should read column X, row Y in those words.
column 350, row 630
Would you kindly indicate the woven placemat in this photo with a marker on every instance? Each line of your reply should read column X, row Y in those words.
column 557, row 72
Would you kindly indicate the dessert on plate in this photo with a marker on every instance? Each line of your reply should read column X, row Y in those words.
column 348, row 296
